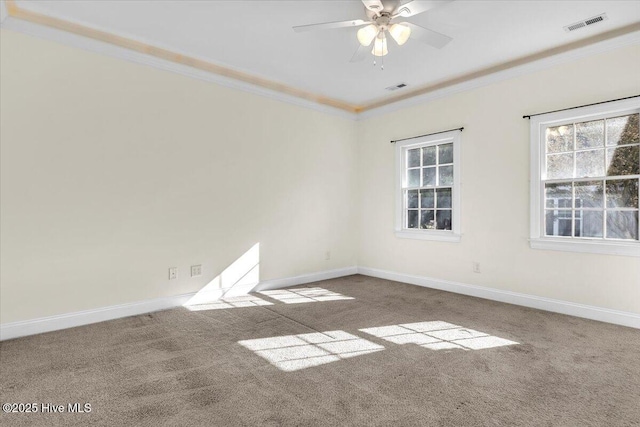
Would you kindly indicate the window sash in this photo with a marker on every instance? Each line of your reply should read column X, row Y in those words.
column 539, row 126
column 451, row 183
column 435, row 208
column 594, row 178
column 406, row 188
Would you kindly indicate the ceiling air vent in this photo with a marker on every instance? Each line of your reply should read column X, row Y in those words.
column 396, row 87
column 586, row 22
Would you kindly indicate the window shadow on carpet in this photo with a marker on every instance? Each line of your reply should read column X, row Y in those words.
column 234, row 302
column 437, row 335
column 294, row 352
column 304, row 295
column 286, row 296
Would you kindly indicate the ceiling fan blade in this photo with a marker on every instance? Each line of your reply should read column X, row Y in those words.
column 330, row 25
column 415, row 7
column 430, row 37
column 359, row 54
column 375, row 6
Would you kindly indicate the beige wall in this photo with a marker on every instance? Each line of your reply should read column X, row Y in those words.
column 113, row 172
column 495, row 188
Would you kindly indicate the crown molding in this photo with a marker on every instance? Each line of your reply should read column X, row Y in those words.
column 114, row 45
column 3, row 12
column 119, row 46
column 449, row 88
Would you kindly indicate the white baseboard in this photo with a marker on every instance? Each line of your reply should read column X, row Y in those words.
column 71, row 320
column 86, row 317
column 557, row 306
column 305, row 278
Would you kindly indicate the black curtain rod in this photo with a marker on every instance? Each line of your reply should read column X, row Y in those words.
column 579, row 106
column 428, row 134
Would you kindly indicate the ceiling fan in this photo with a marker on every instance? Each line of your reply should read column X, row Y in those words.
column 381, row 19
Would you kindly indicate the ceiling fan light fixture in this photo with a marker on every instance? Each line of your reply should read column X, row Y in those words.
column 367, row 34
column 400, row 33
column 380, row 46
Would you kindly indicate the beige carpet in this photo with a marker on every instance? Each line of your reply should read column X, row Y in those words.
column 453, row 363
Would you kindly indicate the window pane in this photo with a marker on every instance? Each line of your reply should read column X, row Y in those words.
column 426, row 199
column 413, row 158
column 589, row 194
column 558, row 223
column 623, row 161
column 446, row 175
column 622, row 225
column 622, row 193
column 559, row 139
column 413, row 178
column 589, row 163
column 428, row 177
column 590, row 134
column 412, row 199
column 426, row 220
column 429, row 156
column 560, row 166
column 557, row 195
column 623, row 130
column 443, row 220
column 588, row 224
column 412, row 219
column 445, row 153
column 443, row 198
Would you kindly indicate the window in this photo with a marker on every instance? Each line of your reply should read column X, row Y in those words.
column 586, row 179
column 428, row 196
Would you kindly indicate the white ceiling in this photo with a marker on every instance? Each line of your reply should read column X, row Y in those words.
column 256, row 37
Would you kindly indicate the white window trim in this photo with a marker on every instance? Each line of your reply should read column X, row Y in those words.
column 538, row 125
column 453, row 235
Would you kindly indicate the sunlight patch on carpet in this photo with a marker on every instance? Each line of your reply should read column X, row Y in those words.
column 234, row 302
column 437, row 335
column 294, row 352
column 304, row 295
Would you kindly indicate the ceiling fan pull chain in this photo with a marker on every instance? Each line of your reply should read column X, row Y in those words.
column 382, row 57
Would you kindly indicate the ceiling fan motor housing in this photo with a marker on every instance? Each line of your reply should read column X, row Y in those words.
column 383, row 21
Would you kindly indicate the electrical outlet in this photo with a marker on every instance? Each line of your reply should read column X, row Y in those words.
column 173, row 273
column 476, row 267
column 327, row 255
column 196, row 270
